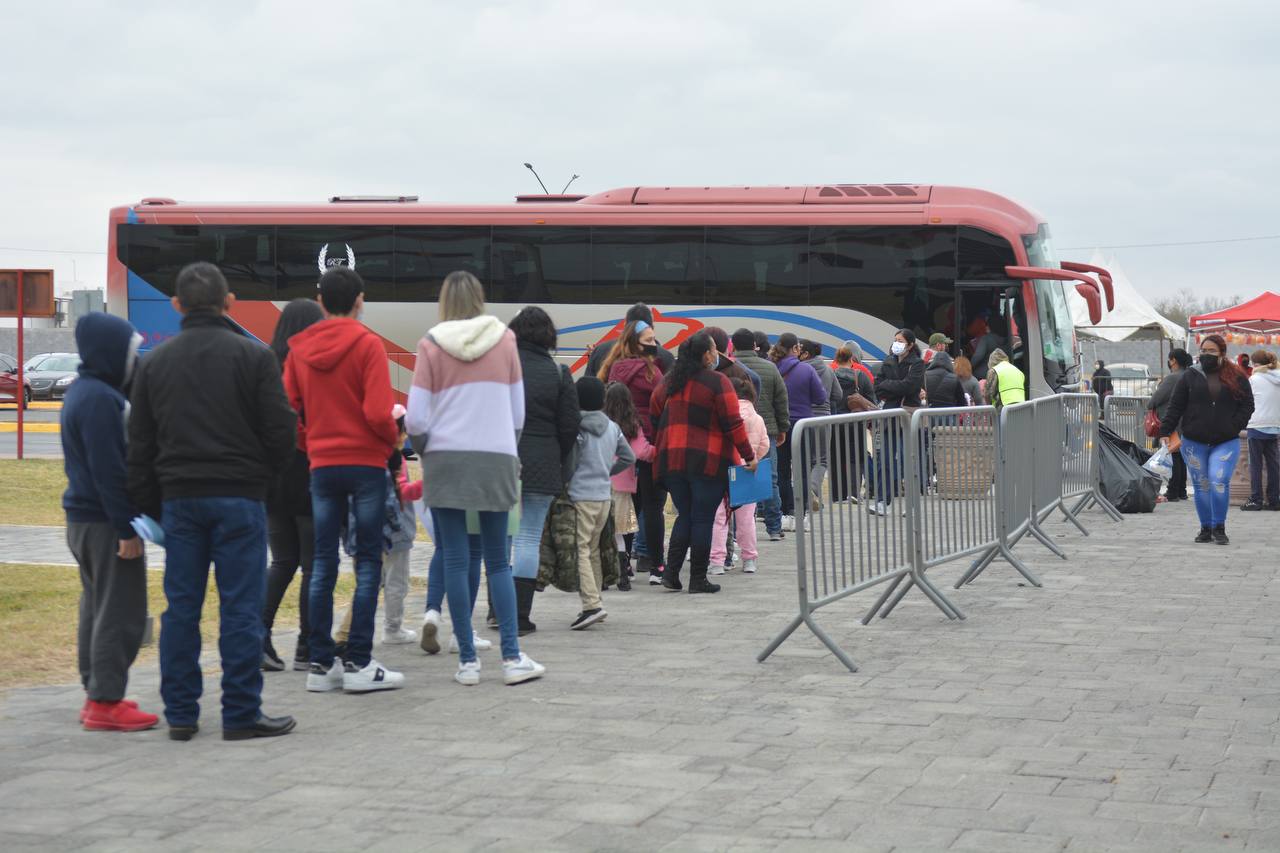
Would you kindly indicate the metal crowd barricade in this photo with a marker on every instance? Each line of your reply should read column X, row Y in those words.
column 1126, row 417
column 854, row 524
column 1080, row 477
column 955, row 497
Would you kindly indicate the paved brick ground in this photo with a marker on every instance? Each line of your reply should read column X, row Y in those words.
column 1132, row 704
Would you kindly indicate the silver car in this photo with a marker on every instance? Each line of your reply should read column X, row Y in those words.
column 51, row 374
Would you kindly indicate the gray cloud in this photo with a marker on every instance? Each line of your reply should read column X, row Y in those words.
column 1120, row 122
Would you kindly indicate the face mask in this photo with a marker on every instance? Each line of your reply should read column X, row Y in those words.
column 648, row 349
column 1208, row 362
column 898, row 348
column 715, row 364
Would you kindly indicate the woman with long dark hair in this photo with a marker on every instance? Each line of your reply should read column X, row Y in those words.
column 699, row 428
column 290, row 530
column 550, row 432
column 1211, row 405
column 634, row 362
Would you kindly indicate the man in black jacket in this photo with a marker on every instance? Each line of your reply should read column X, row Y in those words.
column 210, row 427
column 898, row 385
column 942, row 387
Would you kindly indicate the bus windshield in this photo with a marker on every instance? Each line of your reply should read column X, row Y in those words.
column 1057, row 331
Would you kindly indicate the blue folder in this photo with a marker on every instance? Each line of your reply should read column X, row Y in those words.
column 747, row 487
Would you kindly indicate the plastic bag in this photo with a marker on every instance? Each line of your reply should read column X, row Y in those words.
column 1124, row 482
column 1161, row 463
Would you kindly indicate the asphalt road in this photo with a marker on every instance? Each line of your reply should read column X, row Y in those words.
column 35, row 444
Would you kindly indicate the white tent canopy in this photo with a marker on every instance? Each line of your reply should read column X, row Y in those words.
column 1132, row 314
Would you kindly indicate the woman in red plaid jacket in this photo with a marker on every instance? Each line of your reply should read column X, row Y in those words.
column 699, row 428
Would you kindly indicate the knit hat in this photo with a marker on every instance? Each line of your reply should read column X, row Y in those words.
column 590, row 394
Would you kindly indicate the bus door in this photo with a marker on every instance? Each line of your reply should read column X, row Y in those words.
column 990, row 315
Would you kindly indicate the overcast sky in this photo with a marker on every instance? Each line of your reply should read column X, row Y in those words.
column 1119, row 122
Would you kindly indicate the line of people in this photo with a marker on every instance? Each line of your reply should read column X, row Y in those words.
column 233, row 446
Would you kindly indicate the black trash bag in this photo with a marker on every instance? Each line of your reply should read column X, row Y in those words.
column 1130, row 487
column 1133, row 451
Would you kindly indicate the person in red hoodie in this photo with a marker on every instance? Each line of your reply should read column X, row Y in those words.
column 338, row 382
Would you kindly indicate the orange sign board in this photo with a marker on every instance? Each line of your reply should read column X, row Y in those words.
column 37, row 293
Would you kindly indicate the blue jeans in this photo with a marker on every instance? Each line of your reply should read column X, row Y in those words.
column 232, row 533
column 696, row 500
column 451, row 524
column 435, row 571
column 528, row 540
column 772, row 508
column 1210, row 468
column 333, row 489
column 639, row 545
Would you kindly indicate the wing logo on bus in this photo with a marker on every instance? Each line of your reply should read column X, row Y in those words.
column 326, row 263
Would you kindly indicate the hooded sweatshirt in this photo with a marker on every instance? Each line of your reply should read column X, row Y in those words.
column 805, row 392
column 1265, row 383
column 602, row 452
column 337, row 380
column 94, row 415
column 641, row 379
column 465, row 413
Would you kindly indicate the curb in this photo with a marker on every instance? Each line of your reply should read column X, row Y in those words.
column 30, row 428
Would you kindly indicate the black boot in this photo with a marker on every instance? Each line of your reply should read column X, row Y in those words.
column 698, row 581
column 1205, row 535
column 671, row 579
column 525, row 588
column 624, row 573
column 490, row 620
column 1220, row 535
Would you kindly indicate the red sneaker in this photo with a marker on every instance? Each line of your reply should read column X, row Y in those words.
column 84, row 711
column 117, row 717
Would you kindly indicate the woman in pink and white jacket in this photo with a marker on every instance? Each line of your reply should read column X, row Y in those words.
column 744, row 517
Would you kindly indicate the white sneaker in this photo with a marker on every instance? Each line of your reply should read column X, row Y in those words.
column 749, row 567
column 715, row 570
column 399, row 636
column 481, row 643
column 373, row 677
column 878, row 508
column 468, row 674
column 788, row 524
column 523, row 668
column 431, row 633
column 320, row 680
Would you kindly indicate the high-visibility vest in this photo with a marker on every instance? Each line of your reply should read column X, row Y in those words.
column 1011, row 383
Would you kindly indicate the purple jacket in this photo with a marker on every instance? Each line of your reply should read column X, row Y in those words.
column 804, row 388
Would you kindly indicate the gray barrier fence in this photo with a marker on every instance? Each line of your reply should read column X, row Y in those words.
column 1126, row 417
column 882, row 497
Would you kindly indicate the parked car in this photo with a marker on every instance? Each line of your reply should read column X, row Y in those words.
column 52, row 374
column 1132, row 379
column 9, row 382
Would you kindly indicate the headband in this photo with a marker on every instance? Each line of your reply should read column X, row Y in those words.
column 641, row 325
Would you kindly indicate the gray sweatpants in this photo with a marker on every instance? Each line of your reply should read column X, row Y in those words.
column 113, row 609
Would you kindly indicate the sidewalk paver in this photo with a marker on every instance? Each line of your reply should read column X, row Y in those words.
column 1131, row 704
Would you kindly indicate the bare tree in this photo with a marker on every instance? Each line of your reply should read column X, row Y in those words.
column 1184, row 304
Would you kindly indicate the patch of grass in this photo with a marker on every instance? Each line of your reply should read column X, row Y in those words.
column 31, row 491
column 39, row 611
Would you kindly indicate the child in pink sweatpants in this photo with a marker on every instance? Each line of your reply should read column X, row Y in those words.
column 744, row 517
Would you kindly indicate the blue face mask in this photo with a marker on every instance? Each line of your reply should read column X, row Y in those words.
column 716, row 364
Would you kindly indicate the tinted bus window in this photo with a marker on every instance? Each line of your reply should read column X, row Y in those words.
column 757, row 266
column 903, row 276
column 533, row 265
column 245, row 254
column 425, row 255
column 660, row 266
column 300, row 251
column 981, row 256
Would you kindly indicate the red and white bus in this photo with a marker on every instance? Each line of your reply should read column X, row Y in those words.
column 830, row 263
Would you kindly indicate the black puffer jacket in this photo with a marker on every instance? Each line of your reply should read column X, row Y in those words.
column 551, row 418
column 901, row 379
column 941, row 385
column 1203, row 417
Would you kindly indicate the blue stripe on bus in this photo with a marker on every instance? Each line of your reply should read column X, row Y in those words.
column 152, row 313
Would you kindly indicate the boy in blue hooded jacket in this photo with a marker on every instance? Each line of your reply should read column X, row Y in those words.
column 113, row 568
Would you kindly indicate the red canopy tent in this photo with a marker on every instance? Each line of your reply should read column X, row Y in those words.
column 1254, row 322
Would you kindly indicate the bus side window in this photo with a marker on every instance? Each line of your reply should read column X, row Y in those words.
column 548, row 264
column 757, row 266
column 660, row 266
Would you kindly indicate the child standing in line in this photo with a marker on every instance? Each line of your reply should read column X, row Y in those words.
column 620, row 408
column 398, row 533
column 602, row 452
column 744, row 516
